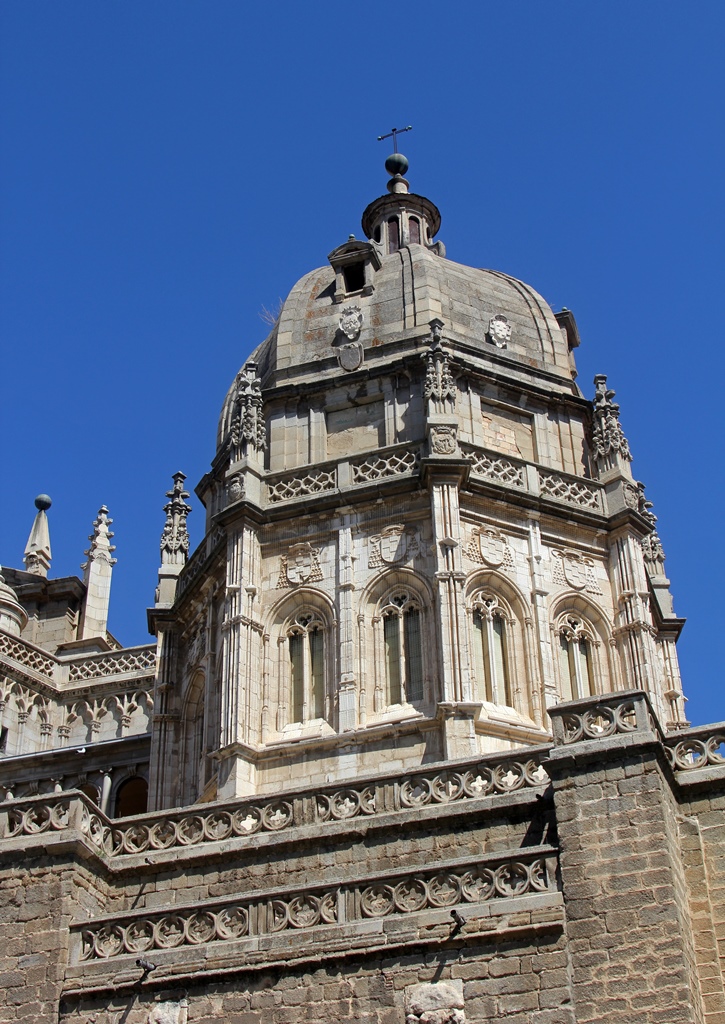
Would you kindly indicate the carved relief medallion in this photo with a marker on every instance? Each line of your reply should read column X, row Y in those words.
column 575, row 570
column 490, row 547
column 301, row 564
column 499, row 330
column 443, row 440
column 350, row 357
column 394, row 545
column 351, row 321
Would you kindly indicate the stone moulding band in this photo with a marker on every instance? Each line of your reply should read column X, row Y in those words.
column 499, row 877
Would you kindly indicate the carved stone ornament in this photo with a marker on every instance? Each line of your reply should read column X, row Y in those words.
column 443, row 440
column 350, row 357
column 576, row 571
column 301, row 564
column 248, row 432
column 607, row 434
column 235, row 488
column 393, row 546
column 175, row 537
column 499, row 330
column 351, row 321
column 490, row 547
column 438, row 1002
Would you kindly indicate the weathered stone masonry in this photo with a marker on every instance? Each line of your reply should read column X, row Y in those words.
column 578, row 882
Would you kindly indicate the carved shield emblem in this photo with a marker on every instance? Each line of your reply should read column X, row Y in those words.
column 499, row 330
column 394, row 545
column 301, row 564
column 350, row 356
column 493, row 548
column 576, row 572
column 351, row 321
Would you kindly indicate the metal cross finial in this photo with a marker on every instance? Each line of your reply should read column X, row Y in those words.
column 395, row 132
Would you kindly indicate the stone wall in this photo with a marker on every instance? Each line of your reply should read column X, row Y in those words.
column 582, row 882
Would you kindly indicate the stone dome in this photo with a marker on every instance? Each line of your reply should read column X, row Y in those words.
column 398, row 293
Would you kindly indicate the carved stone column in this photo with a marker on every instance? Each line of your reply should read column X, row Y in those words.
column 241, row 665
column 347, row 692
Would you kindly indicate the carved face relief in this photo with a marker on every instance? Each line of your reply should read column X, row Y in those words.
column 351, row 321
column 499, row 330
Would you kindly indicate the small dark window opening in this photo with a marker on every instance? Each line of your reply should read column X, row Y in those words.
column 376, row 236
column 414, row 227
column 3, row 740
column 354, row 276
column 393, row 235
column 132, row 797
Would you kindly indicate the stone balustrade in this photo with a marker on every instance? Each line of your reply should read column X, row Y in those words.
column 703, row 747
column 598, row 718
column 494, row 877
column 65, row 670
column 401, row 460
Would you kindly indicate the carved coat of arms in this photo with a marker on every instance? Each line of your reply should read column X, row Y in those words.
column 392, row 546
column 443, row 440
column 575, row 570
column 351, row 321
column 301, row 564
column 490, row 547
column 499, row 330
column 350, row 357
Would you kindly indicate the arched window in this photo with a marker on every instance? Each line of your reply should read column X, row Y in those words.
column 575, row 659
column 306, row 649
column 491, row 650
column 132, row 797
column 414, row 230
column 393, row 235
column 403, row 648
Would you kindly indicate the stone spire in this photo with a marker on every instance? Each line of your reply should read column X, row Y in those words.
column 97, row 577
column 37, row 551
column 610, row 448
column 174, row 541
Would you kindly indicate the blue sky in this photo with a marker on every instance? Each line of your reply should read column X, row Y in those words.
column 171, row 168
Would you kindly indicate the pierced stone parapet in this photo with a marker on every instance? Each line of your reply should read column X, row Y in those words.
column 27, row 654
column 598, row 718
column 495, row 467
column 571, row 490
column 395, row 463
column 497, row 877
column 315, row 481
column 134, row 659
column 701, row 748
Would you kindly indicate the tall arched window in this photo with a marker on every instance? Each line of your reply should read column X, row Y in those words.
column 575, row 659
column 393, row 235
column 491, row 650
column 414, row 230
column 403, row 648
column 306, row 649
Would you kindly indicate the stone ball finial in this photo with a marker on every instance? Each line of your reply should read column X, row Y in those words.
column 396, row 164
column 43, row 502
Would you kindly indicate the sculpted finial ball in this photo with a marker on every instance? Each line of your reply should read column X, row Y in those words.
column 396, row 164
column 43, row 502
